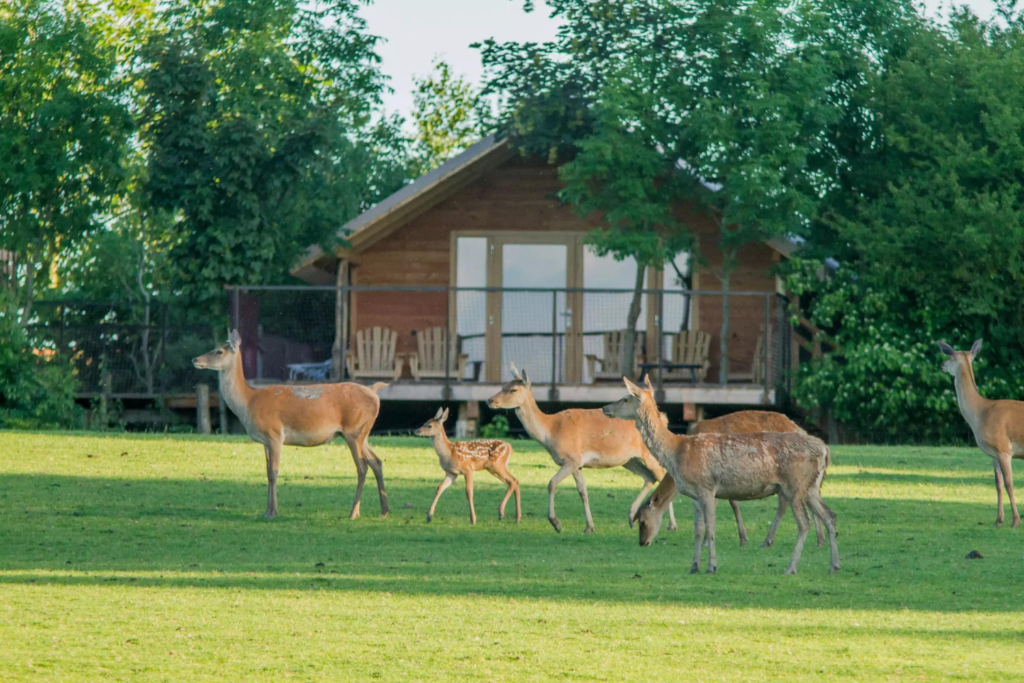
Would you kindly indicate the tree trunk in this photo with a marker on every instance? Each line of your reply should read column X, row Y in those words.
column 629, row 343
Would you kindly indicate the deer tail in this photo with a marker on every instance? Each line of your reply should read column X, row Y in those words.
column 377, row 386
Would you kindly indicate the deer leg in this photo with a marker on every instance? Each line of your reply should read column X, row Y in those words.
column 448, row 480
column 500, row 471
column 803, row 526
column 581, row 488
column 1006, row 464
column 698, row 536
column 273, row 452
column 822, row 512
column 709, row 503
column 817, row 530
column 561, row 474
column 672, row 526
column 999, row 492
column 378, row 474
column 639, row 468
column 468, row 474
column 770, row 538
column 355, row 448
column 739, row 522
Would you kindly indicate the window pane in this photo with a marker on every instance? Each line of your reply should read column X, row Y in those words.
column 471, row 307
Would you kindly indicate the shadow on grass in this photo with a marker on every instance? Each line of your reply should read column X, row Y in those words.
column 68, row 531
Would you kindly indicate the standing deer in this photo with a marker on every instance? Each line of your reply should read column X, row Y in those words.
column 742, row 422
column 998, row 426
column 578, row 439
column 734, row 467
column 467, row 457
column 308, row 415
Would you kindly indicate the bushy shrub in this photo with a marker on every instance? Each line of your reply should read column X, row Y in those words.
column 497, row 428
column 36, row 391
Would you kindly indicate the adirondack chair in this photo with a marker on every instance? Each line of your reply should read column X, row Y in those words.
column 689, row 346
column 429, row 360
column 611, row 363
column 374, row 354
column 757, row 369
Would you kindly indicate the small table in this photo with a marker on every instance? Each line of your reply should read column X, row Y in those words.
column 662, row 366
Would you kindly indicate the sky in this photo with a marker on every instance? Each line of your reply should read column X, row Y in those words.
column 418, row 30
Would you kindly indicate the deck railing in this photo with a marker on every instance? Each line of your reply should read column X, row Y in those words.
column 547, row 331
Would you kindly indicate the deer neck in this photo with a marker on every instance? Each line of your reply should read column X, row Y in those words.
column 537, row 424
column 443, row 447
column 235, row 390
column 967, row 397
column 658, row 439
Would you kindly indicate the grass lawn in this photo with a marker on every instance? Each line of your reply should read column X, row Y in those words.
column 145, row 558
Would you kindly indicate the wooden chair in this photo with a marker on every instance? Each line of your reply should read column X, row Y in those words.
column 611, row 362
column 689, row 346
column 756, row 373
column 428, row 361
column 374, row 354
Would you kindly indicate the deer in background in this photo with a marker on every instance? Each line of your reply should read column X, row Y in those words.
column 467, row 457
column 307, row 415
column 998, row 426
column 742, row 422
column 578, row 439
column 735, row 467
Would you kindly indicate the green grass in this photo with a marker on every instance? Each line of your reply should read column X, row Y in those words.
column 144, row 558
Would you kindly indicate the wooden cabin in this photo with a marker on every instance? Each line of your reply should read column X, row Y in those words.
column 502, row 264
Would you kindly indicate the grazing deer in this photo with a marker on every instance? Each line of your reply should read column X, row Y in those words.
column 576, row 439
column 308, row 415
column 733, row 467
column 998, row 426
column 467, row 457
column 742, row 422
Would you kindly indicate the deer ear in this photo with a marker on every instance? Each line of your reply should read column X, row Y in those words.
column 976, row 349
column 526, row 380
column 946, row 348
column 235, row 339
column 437, row 415
column 515, row 373
column 444, row 416
column 647, row 383
column 633, row 389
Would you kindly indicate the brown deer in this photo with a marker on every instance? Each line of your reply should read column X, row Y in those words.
column 467, row 457
column 742, row 422
column 734, row 467
column 998, row 426
column 308, row 415
column 578, row 439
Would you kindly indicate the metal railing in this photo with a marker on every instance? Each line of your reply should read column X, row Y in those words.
column 306, row 325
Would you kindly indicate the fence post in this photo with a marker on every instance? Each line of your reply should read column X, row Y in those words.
column 105, row 381
column 553, row 391
column 203, row 408
column 235, row 312
column 660, row 328
column 224, row 417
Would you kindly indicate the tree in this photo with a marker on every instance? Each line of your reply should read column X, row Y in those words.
column 447, row 115
column 260, row 118
column 64, row 130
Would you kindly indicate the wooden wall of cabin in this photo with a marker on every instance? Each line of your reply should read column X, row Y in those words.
column 520, row 196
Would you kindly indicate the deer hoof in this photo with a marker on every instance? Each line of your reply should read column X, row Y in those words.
column 1016, row 523
column 790, row 571
column 998, row 522
column 834, row 569
column 429, row 518
column 767, row 543
column 269, row 514
column 694, row 568
column 589, row 530
column 555, row 523
column 743, row 542
column 713, row 569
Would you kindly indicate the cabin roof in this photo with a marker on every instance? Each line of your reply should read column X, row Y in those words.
column 389, row 214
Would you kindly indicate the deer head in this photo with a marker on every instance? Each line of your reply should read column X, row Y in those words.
column 435, row 425
column 514, row 394
column 957, row 361
column 222, row 357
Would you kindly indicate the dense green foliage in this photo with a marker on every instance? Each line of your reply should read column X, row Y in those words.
column 145, row 558
column 927, row 228
column 448, row 114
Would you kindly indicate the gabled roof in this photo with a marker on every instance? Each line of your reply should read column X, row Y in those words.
column 383, row 218
column 418, row 196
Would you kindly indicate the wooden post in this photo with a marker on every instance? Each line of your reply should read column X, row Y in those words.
column 468, row 419
column 203, row 408
column 338, row 349
column 105, row 382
